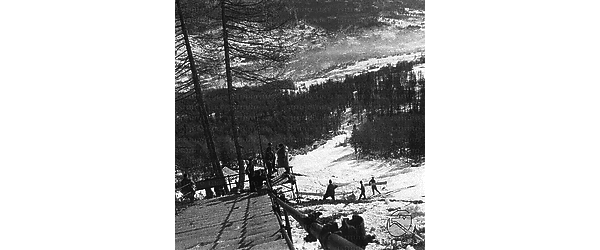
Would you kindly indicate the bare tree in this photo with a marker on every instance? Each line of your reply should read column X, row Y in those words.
column 251, row 40
column 186, row 72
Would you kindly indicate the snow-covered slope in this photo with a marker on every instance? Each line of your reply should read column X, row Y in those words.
column 335, row 160
column 322, row 55
column 369, row 65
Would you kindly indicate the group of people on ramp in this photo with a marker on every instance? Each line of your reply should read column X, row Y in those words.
column 272, row 160
column 279, row 156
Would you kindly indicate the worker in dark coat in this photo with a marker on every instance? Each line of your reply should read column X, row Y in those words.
column 372, row 182
column 187, row 188
column 330, row 191
column 362, row 191
column 282, row 160
column 270, row 159
column 251, row 174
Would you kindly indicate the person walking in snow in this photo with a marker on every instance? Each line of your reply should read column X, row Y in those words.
column 372, row 182
column 330, row 191
column 362, row 191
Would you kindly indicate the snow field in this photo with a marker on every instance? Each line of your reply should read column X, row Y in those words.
column 338, row 163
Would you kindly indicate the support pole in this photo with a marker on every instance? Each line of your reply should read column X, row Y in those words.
column 287, row 223
column 234, row 128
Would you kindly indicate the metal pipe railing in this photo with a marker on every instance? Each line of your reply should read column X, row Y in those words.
column 328, row 240
column 287, row 237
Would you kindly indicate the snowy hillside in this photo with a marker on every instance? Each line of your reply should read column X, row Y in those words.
column 326, row 55
column 356, row 68
column 335, row 160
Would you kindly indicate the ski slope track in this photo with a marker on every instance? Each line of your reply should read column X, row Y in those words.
column 336, row 161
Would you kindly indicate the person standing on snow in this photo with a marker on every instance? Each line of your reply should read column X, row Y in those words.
column 330, row 191
column 372, row 182
column 362, row 191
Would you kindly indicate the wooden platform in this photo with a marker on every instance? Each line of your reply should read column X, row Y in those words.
column 244, row 221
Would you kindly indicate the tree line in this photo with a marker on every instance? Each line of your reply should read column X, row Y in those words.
column 264, row 114
column 389, row 102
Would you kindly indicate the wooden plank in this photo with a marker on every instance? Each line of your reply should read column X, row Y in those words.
column 321, row 194
column 310, row 193
column 244, row 221
column 341, row 184
column 210, row 183
column 358, row 184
